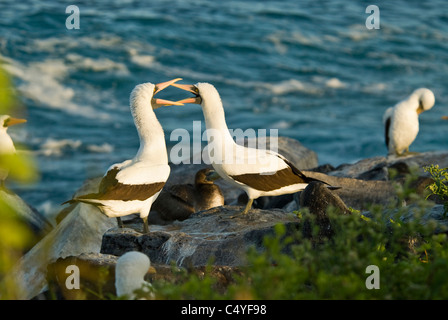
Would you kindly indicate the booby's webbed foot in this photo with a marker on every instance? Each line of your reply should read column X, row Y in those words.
column 410, row 153
column 246, row 209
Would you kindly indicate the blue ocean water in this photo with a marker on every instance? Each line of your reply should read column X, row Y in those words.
column 310, row 69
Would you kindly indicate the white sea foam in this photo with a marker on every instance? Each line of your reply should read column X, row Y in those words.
column 42, row 81
column 66, row 43
column 375, row 88
column 53, row 147
column 281, row 124
column 56, row 148
column 335, row 83
column 290, row 86
column 357, row 32
column 49, row 210
column 141, row 59
column 96, row 65
column 103, row 148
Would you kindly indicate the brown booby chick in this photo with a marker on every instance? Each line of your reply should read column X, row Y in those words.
column 179, row 201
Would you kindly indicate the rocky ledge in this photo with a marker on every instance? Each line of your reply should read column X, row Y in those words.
column 220, row 235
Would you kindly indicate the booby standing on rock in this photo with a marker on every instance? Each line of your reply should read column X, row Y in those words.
column 258, row 172
column 179, row 201
column 133, row 185
column 6, row 144
column 401, row 121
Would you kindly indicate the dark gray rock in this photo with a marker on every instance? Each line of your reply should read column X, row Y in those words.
column 377, row 168
column 213, row 234
column 79, row 232
column 358, row 194
column 220, row 235
column 97, row 276
column 37, row 223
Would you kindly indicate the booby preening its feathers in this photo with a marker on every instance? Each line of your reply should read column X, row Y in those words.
column 130, row 272
column 401, row 124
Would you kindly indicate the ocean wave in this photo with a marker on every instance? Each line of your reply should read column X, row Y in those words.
column 316, row 86
column 56, row 148
column 374, row 88
column 96, row 65
column 141, row 60
column 357, row 33
column 65, row 44
column 42, row 82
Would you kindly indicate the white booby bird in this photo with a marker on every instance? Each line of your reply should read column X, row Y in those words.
column 401, row 121
column 130, row 271
column 6, row 143
column 258, row 172
column 133, row 185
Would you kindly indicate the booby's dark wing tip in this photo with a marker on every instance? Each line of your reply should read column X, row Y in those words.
column 386, row 131
column 68, row 202
column 329, row 186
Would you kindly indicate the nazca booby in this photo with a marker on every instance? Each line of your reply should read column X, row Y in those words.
column 179, row 201
column 258, row 172
column 130, row 272
column 6, row 143
column 401, row 121
column 132, row 185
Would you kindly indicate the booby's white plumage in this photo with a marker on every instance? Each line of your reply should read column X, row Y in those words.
column 258, row 172
column 133, row 185
column 6, row 143
column 130, row 271
column 401, row 121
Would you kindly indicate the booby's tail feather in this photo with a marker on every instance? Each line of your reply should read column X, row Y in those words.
column 307, row 179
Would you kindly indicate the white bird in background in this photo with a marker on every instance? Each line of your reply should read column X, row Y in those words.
column 130, row 271
column 258, row 172
column 133, row 185
column 401, row 121
column 6, row 143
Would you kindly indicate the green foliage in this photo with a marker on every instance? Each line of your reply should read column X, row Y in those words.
column 15, row 235
column 440, row 185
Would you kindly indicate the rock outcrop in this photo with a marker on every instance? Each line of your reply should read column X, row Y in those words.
column 80, row 232
column 220, row 235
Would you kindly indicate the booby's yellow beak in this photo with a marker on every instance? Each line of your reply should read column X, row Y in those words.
column 13, row 121
column 191, row 88
column 445, row 117
column 160, row 86
column 151, row 270
column 162, row 102
column 420, row 108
